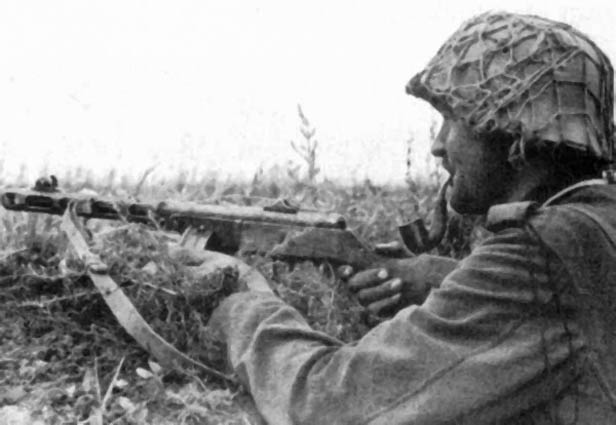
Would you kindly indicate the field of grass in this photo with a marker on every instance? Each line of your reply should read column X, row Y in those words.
column 63, row 357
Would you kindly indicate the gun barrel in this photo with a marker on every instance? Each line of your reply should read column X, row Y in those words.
column 167, row 211
column 85, row 205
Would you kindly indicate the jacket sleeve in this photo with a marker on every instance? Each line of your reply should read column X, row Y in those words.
column 491, row 342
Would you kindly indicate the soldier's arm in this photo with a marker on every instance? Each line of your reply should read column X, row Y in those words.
column 486, row 345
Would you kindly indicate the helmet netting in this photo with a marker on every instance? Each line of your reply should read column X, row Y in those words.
column 536, row 79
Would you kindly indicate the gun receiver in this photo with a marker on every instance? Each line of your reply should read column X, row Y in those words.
column 279, row 230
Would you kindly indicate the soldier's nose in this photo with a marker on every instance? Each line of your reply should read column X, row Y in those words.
column 438, row 144
column 437, row 149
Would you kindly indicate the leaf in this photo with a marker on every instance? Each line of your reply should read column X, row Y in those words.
column 121, row 383
column 126, row 404
column 16, row 415
column 111, row 385
column 13, row 395
column 150, row 268
column 155, row 367
column 96, row 418
column 70, row 390
column 141, row 415
column 88, row 381
column 64, row 269
column 144, row 373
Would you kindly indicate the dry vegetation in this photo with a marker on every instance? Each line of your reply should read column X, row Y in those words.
column 64, row 359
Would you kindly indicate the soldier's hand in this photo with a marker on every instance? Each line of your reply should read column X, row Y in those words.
column 203, row 262
column 398, row 283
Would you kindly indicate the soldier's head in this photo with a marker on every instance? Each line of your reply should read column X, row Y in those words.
column 518, row 94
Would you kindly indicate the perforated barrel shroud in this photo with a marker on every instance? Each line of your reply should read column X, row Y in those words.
column 531, row 77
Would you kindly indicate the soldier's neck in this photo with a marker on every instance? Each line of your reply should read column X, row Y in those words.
column 536, row 181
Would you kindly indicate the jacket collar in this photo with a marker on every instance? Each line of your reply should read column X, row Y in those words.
column 515, row 214
column 568, row 190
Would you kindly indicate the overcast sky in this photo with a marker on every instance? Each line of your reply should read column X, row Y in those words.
column 214, row 85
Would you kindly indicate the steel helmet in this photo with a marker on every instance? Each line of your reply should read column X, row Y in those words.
column 535, row 79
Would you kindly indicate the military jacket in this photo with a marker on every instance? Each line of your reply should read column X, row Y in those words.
column 522, row 331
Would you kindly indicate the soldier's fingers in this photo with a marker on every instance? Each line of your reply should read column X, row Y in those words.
column 384, row 290
column 380, row 305
column 345, row 272
column 368, row 278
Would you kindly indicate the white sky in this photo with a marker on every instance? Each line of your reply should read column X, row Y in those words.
column 214, row 85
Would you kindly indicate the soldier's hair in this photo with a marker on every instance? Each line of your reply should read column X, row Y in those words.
column 569, row 164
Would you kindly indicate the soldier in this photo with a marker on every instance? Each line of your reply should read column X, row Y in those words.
column 523, row 330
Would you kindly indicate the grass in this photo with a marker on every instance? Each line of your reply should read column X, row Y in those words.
column 64, row 359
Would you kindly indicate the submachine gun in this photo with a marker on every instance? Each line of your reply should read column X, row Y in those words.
column 280, row 231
